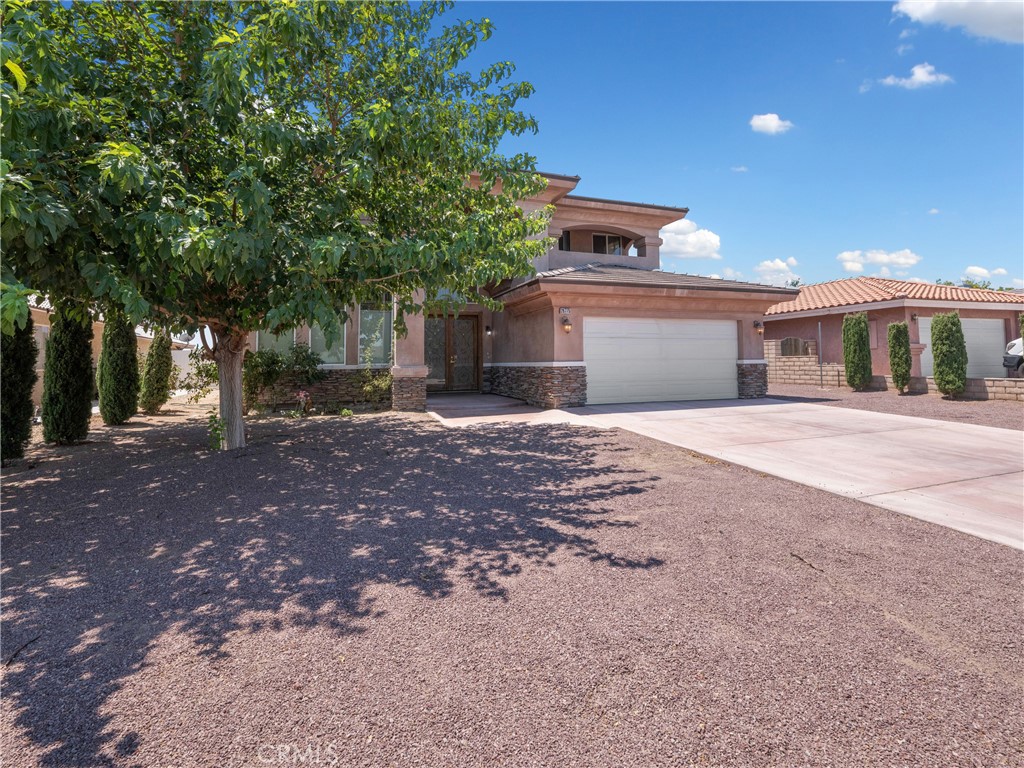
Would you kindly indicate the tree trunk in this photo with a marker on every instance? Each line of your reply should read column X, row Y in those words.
column 230, row 351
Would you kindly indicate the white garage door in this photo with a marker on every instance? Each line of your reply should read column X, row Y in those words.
column 638, row 360
column 986, row 342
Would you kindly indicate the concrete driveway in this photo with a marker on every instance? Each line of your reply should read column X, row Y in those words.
column 963, row 476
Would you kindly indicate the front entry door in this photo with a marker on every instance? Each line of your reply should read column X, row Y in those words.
column 452, row 353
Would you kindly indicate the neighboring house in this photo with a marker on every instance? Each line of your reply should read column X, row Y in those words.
column 40, row 309
column 989, row 319
column 598, row 323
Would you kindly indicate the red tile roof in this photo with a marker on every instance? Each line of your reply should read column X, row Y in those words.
column 867, row 290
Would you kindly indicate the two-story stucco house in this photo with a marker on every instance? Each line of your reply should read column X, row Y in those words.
column 599, row 322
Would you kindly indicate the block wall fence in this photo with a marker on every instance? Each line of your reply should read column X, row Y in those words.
column 803, row 369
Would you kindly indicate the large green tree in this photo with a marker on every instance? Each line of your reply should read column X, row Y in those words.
column 238, row 166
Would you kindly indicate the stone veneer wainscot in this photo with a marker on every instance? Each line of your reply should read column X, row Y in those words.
column 752, row 378
column 542, row 386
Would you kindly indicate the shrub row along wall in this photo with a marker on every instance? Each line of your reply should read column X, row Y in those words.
column 803, row 369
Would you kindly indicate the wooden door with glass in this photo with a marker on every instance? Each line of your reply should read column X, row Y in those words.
column 452, row 352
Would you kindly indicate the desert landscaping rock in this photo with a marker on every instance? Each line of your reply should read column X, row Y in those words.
column 380, row 590
column 1006, row 414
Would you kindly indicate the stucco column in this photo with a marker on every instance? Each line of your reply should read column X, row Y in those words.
column 409, row 373
column 648, row 248
column 751, row 366
column 915, row 358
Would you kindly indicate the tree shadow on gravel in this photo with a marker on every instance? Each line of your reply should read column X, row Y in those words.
column 108, row 546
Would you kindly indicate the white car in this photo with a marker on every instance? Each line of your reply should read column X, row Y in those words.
column 1013, row 360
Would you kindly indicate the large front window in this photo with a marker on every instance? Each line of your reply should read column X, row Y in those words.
column 608, row 244
column 280, row 342
column 333, row 355
column 375, row 334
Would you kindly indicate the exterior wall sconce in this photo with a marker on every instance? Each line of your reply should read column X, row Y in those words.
column 913, row 317
column 759, row 327
column 566, row 325
column 487, row 330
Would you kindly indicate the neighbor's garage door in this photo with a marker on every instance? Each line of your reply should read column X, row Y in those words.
column 986, row 342
column 637, row 360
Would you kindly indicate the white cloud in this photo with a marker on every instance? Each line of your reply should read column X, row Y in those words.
column 770, row 123
column 983, row 18
column 884, row 272
column 854, row 261
column 739, row 169
column 731, row 274
column 685, row 240
column 907, row 33
column 921, row 75
column 980, row 273
column 1018, row 283
column 933, row 211
column 777, row 271
column 918, row 280
column 904, row 49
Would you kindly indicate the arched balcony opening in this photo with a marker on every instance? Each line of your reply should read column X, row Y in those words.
column 602, row 243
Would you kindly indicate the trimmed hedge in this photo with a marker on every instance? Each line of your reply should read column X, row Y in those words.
column 118, row 373
column 899, row 355
column 19, row 353
column 857, row 350
column 67, row 379
column 156, row 377
column 949, row 353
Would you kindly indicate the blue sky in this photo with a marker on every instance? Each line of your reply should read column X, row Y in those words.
column 890, row 139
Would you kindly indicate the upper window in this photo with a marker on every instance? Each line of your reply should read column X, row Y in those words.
column 608, row 244
column 375, row 334
column 282, row 342
column 563, row 242
column 333, row 355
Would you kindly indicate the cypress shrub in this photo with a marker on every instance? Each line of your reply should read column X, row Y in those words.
column 857, row 350
column 899, row 355
column 949, row 352
column 118, row 372
column 156, row 377
column 18, row 355
column 67, row 379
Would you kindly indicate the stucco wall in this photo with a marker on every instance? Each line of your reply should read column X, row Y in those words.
column 879, row 319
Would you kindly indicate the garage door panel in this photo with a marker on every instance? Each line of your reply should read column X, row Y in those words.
column 634, row 360
column 985, row 340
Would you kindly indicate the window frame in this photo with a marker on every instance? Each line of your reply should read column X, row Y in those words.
column 277, row 335
column 607, row 236
column 389, row 310
column 343, row 342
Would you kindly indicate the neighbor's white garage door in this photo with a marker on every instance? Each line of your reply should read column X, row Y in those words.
column 986, row 342
column 637, row 360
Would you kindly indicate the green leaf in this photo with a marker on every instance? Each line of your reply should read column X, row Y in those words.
column 19, row 74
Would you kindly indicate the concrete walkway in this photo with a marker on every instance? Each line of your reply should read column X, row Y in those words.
column 963, row 476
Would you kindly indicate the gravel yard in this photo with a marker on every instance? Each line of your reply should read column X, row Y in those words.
column 1007, row 414
column 380, row 590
